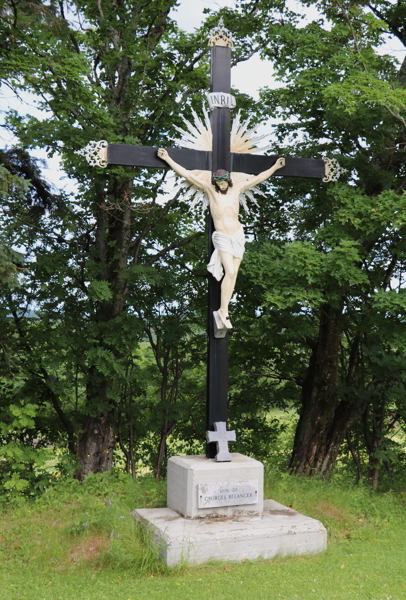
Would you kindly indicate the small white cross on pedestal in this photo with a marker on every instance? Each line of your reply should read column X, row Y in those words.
column 221, row 436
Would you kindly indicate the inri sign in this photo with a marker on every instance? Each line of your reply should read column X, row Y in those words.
column 221, row 100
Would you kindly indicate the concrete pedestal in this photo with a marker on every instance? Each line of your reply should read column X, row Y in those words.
column 280, row 531
column 188, row 474
column 216, row 511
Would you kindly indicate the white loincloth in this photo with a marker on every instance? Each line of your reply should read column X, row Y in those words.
column 233, row 244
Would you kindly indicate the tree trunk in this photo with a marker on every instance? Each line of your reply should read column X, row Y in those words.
column 131, row 453
column 373, row 472
column 160, row 455
column 96, row 445
column 112, row 242
column 322, row 425
column 162, row 451
column 373, row 437
column 355, row 457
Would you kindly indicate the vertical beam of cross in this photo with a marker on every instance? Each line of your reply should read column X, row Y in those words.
column 217, row 359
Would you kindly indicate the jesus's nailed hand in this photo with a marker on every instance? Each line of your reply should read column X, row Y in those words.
column 280, row 163
column 162, row 153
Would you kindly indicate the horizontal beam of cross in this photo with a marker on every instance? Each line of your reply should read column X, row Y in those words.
column 146, row 156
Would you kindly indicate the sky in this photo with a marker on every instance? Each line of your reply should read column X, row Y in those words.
column 247, row 77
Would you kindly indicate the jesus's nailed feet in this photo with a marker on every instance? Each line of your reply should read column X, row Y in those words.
column 220, row 326
column 225, row 320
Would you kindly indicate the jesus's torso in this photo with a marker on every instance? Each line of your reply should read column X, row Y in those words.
column 225, row 209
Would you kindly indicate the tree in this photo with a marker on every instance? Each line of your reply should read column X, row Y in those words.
column 173, row 361
column 14, row 188
column 343, row 248
column 119, row 72
column 125, row 72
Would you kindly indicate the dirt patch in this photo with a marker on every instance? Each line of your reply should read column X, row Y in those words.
column 72, row 504
column 286, row 512
column 88, row 549
column 330, row 509
column 237, row 516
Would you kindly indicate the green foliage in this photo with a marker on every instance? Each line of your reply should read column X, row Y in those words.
column 9, row 266
column 10, row 261
column 318, row 278
column 256, row 436
column 279, row 449
column 97, row 259
column 100, row 291
column 12, row 185
column 26, row 467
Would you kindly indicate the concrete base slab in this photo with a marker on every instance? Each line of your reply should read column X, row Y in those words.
column 280, row 531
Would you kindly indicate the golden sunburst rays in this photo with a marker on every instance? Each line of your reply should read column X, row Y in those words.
column 198, row 136
column 244, row 140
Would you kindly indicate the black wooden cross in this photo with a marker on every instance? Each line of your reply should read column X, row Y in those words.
column 219, row 158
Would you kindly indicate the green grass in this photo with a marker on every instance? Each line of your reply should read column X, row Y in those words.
column 81, row 543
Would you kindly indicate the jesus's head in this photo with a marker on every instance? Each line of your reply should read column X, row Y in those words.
column 222, row 181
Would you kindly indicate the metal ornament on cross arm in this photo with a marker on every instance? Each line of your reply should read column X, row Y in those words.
column 95, row 153
column 333, row 169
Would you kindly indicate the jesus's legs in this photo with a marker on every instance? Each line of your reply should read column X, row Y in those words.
column 231, row 266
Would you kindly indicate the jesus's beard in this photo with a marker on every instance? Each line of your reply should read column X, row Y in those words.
column 222, row 191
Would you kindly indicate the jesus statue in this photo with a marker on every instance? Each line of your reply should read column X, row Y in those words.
column 228, row 239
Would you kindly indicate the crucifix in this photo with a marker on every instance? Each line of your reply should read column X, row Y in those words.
column 219, row 160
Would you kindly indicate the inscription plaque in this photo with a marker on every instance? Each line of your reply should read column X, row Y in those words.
column 221, row 100
column 235, row 493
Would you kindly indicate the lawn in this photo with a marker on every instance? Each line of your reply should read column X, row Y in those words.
column 81, row 543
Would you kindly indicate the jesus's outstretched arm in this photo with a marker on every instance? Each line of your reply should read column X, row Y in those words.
column 280, row 162
column 188, row 175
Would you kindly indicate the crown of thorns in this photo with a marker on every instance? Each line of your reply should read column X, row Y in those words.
column 225, row 177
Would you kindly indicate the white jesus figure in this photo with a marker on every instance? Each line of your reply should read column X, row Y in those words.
column 228, row 239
